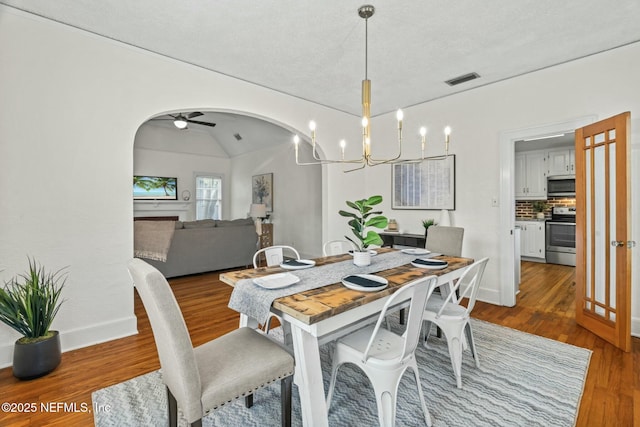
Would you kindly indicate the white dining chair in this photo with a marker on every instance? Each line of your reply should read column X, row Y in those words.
column 206, row 377
column 452, row 318
column 384, row 356
column 274, row 255
column 337, row 247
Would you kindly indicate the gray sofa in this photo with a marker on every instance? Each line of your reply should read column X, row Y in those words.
column 209, row 245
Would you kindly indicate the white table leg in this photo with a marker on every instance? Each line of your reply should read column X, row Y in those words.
column 308, row 378
column 246, row 321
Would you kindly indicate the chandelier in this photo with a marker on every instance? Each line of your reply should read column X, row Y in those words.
column 366, row 159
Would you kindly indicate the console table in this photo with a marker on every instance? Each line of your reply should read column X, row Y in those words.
column 403, row 239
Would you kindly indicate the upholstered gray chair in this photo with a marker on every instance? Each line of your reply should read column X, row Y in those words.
column 445, row 240
column 204, row 378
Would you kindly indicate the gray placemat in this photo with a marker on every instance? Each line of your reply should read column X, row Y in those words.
column 255, row 301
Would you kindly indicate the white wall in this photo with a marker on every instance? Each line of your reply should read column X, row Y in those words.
column 163, row 151
column 71, row 108
column 297, row 202
column 602, row 85
column 69, row 114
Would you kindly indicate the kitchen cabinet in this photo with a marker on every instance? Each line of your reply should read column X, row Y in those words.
column 530, row 175
column 561, row 161
column 532, row 239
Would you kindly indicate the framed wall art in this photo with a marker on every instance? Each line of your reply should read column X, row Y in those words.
column 262, row 190
column 429, row 184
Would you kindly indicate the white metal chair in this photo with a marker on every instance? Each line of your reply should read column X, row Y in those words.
column 453, row 318
column 337, row 247
column 383, row 355
column 274, row 255
column 204, row 378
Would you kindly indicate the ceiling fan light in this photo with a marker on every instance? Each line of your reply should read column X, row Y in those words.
column 180, row 122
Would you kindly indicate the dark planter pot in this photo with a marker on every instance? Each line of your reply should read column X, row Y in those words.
column 33, row 360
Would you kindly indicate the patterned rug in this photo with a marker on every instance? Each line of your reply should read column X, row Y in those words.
column 523, row 380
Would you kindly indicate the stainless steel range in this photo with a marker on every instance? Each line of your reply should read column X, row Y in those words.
column 561, row 236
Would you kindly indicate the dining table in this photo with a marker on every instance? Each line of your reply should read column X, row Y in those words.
column 313, row 317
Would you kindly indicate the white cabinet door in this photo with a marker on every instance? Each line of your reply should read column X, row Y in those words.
column 532, row 243
column 536, row 175
column 530, row 175
column 561, row 161
column 520, row 179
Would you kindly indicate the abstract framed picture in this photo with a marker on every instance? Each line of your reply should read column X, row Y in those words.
column 430, row 184
column 262, row 190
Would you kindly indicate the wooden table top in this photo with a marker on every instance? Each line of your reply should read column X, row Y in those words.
column 321, row 303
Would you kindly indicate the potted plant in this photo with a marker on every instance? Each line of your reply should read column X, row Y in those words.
column 426, row 223
column 363, row 218
column 28, row 304
column 539, row 206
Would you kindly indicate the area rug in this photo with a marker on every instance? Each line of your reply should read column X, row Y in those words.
column 523, row 380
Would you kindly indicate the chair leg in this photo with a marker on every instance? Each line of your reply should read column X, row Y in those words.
column 472, row 344
column 173, row 409
column 425, row 410
column 332, row 383
column 248, row 400
column 285, row 398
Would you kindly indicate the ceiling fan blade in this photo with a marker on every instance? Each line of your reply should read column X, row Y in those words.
column 194, row 114
column 201, row 123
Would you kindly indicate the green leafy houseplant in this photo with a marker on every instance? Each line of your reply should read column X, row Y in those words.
column 30, row 302
column 363, row 218
column 426, row 223
column 539, row 206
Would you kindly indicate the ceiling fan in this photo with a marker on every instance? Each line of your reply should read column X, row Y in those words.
column 181, row 121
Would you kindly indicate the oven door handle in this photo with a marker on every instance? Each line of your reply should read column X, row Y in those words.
column 560, row 223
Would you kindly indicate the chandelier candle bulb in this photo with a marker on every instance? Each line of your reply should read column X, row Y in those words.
column 423, row 135
column 343, row 144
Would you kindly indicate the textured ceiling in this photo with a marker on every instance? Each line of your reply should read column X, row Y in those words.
column 315, row 49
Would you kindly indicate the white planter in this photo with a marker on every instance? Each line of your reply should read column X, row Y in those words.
column 361, row 259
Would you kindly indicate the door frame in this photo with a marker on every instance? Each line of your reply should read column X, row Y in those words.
column 506, row 240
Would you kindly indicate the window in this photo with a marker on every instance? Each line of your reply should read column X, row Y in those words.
column 208, row 197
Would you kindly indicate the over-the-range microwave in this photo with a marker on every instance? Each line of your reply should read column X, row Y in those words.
column 561, row 185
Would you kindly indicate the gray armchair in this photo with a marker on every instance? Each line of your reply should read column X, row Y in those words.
column 204, row 378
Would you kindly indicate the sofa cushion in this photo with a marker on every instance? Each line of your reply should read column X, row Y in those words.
column 201, row 223
column 234, row 222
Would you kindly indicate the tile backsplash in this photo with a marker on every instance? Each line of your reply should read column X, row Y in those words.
column 524, row 208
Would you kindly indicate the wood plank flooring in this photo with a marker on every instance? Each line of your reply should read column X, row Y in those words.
column 544, row 307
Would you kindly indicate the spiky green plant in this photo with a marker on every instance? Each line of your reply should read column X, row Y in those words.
column 30, row 301
column 365, row 217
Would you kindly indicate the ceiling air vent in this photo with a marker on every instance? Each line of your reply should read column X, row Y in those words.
column 462, row 79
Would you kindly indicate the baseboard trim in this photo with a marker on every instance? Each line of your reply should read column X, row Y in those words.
column 83, row 337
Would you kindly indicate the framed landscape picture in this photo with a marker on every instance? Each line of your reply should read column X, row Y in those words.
column 262, row 190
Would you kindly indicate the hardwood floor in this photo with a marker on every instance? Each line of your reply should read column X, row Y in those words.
column 544, row 307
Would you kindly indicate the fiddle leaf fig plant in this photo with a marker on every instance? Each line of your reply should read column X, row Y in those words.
column 363, row 218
